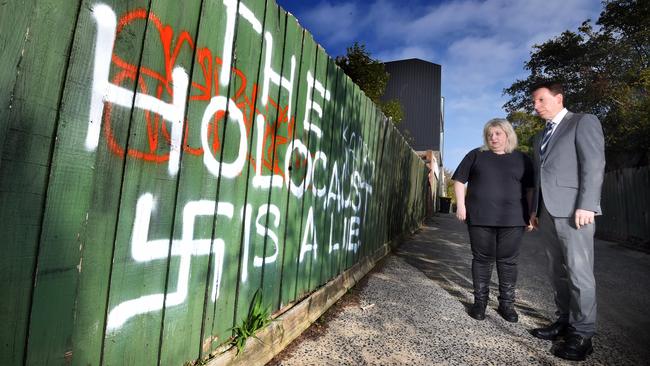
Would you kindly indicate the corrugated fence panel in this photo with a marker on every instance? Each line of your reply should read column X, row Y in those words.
column 163, row 161
column 626, row 206
column 638, row 203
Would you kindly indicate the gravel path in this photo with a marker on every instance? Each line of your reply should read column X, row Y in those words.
column 412, row 310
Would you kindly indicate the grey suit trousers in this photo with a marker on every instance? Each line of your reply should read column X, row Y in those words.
column 570, row 253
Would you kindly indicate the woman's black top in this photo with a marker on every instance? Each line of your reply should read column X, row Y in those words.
column 496, row 187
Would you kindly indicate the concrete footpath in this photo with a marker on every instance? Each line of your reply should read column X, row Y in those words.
column 411, row 309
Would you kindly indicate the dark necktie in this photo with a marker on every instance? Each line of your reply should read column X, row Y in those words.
column 547, row 136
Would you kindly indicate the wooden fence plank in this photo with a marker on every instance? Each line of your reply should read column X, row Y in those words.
column 294, row 40
column 297, row 177
column 146, row 257
column 161, row 168
column 336, row 156
column 80, row 213
column 188, row 325
column 34, row 62
column 241, row 235
column 15, row 17
column 320, row 268
column 312, row 235
column 279, row 113
column 197, row 201
column 367, row 232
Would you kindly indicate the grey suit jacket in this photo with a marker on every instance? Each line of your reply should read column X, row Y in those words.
column 570, row 175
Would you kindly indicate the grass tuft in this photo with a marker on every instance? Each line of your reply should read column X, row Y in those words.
column 257, row 318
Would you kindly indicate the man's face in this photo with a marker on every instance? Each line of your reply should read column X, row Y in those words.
column 546, row 104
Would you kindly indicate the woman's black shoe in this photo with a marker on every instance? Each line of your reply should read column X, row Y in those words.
column 508, row 313
column 477, row 310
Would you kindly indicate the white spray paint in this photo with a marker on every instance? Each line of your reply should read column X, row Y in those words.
column 319, row 156
column 103, row 91
column 310, row 230
column 262, row 231
column 297, row 190
column 247, row 241
column 259, row 180
column 231, row 12
column 228, row 170
column 271, row 76
column 312, row 83
column 145, row 250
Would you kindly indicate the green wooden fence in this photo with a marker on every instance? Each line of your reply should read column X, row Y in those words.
column 163, row 160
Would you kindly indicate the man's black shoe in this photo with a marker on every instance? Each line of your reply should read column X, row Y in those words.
column 508, row 313
column 574, row 348
column 552, row 332
column 477, row 311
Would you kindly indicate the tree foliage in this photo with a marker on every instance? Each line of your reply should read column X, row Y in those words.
column 526, row 126
column 371, row 76
column 393, row 109
column 605, row 71
column 449, row 185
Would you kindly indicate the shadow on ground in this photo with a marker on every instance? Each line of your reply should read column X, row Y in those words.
column 441, row 251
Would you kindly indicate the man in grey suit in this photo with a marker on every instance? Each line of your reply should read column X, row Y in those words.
column 569, row 162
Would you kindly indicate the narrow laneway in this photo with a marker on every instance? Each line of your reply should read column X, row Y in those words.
column 412, row 309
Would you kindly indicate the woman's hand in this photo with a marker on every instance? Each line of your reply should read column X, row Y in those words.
column 461, row 212
column 533, row 223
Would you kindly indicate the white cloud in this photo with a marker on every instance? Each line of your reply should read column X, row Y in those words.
column 484, row 105
column 480, row 62
column 481, row 45
column 337, row 23
column 390, row 26
column 421, row 52
column 511, row 19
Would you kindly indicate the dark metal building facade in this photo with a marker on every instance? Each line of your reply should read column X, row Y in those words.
column 417, row 86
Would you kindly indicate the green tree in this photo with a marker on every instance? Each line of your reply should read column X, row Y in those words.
column 371, row 76
column 605, row 71
column 393, row 109
column 449, row 185
column 526, row 125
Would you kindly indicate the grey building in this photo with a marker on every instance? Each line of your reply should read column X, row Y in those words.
column 417, row 85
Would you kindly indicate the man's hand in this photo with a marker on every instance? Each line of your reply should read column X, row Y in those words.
column 584, row 217
column 533, row 223
column 461, row 212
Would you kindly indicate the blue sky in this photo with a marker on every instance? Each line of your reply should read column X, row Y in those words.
column 481, row 45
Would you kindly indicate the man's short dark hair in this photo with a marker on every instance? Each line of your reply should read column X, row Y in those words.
column 554, row 86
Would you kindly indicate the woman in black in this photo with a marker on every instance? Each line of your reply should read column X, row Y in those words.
column 499, row 191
